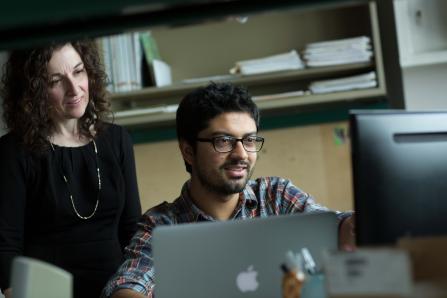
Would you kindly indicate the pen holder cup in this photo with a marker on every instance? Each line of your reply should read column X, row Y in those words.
column 314, row 287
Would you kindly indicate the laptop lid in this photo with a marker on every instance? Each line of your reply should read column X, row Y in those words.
column 239, row 258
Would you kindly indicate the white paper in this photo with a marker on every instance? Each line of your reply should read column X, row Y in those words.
column 369, row 272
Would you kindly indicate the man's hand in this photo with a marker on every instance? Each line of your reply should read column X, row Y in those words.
column 127, row 293
column 346, row 237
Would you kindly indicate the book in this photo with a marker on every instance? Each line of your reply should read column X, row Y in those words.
column 161, row 73
column 106, row 55
column 137, row 83
column 150, row 47
column 159, row 70
column 122, row 58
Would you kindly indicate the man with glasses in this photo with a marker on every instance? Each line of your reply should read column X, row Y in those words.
column 217, row 130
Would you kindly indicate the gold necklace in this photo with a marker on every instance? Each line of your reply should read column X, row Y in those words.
column 98, row 173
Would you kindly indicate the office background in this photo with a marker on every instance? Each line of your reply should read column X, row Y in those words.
column 316, row 154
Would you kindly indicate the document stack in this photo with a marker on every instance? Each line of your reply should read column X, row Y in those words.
column 336, row 52
column 363, row 81
column 279, row 62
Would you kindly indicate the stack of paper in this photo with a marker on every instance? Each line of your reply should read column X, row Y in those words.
column 341, row 51
column 363, row 81
column 285, row 61
column 279, row 95
column 161, row 73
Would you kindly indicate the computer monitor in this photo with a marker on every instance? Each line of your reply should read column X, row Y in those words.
column 399, row 174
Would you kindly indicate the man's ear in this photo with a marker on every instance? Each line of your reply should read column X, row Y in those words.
column 187, row 151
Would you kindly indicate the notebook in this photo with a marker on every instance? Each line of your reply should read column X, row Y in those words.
column 239, row 258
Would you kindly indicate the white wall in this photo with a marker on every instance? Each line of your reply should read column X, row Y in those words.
column 425, row 87
column 421, row 27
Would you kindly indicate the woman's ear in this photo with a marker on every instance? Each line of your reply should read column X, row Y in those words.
column 187, row 151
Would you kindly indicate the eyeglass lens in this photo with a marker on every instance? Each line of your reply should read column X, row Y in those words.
column 226, row 143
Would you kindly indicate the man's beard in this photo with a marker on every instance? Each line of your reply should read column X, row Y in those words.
column 222, row 186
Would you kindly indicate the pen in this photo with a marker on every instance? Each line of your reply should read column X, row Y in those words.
column 309, row 263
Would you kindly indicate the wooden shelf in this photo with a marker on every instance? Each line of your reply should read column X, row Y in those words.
column 156, row 116
column 177, row 90
column 281, row 31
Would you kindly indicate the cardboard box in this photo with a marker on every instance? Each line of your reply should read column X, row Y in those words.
column 429, row 265
column 369, row 273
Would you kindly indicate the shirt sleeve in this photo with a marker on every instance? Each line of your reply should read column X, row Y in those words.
column 294, row 200
column 132, row 208
column 312, row 207
column 137, row 271
column 12, row 205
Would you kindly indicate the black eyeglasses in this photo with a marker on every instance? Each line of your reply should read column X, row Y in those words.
column 224, row 144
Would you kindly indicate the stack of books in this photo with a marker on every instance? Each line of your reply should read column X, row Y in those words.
column 279, row 62
column 362, row 81
column 336, row 52
column 132, row 60
column 122, row 58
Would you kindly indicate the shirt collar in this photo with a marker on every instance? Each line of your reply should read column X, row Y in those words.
column 187, row 210
column 248, row 203
column 190, row 212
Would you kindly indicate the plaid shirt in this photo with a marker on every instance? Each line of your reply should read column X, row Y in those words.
column 260, row 198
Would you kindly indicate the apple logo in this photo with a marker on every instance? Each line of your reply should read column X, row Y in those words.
column 246, row 280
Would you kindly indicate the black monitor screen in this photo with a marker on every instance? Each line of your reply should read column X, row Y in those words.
column 399, row 174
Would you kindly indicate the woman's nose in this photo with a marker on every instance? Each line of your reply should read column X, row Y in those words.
column 71, row 86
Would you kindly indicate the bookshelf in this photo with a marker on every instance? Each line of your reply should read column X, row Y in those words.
column 210, row 49
column 422, row 32
column 155, row 105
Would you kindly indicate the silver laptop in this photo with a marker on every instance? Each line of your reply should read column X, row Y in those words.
column 240, row 258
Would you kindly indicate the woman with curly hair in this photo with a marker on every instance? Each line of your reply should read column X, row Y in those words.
column 68, row 188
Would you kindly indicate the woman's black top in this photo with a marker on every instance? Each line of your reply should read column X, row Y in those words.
column 37, row 218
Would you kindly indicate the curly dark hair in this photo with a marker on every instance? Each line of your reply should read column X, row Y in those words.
column 203, row 104
column 25, row 82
